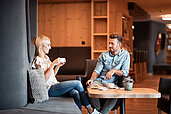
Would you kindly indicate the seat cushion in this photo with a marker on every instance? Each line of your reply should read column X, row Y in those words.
column 24, row 111
column 56, row 104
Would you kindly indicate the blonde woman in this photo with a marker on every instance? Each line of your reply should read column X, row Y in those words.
column 55, row 88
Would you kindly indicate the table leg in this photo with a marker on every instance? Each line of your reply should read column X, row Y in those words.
column 122, row 106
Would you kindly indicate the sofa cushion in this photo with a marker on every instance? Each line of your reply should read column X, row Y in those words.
column 24, row 111
column 37, row 84
column 62, row 105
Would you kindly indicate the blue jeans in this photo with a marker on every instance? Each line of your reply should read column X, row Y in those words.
column 109, row 104
column 72, row 88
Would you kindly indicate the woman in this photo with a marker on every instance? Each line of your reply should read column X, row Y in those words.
column 72, row 88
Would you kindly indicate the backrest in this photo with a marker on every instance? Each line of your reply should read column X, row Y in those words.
column 90, row 66
column 164, row 85
column 75, row 57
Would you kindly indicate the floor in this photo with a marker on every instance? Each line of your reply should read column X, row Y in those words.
column 142, row 106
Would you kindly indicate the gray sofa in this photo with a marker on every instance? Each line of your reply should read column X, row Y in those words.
column 59, row 105
column 18, row 31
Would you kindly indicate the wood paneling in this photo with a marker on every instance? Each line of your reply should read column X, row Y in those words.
column 67, row 24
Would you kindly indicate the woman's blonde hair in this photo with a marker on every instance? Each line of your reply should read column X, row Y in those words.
column 39, row 42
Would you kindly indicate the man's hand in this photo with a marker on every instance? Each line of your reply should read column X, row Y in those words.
column 110, row 74
column 89, row 82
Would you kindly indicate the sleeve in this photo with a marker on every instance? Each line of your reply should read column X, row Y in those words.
column 99, row 65
column 37, row 61
column 126, row 65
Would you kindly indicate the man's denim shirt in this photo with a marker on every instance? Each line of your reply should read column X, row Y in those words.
column 107, row 61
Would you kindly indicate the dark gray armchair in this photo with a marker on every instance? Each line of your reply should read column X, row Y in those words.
column 164, row 103
column 90, row 66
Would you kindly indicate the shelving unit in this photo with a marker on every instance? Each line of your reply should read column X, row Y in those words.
column 99, row 27
column 127, row 34
column 169, row 47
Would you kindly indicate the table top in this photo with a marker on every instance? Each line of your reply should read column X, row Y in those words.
column 121, row 93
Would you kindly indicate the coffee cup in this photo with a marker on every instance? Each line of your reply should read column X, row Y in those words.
column 128, row 86
column 62, row 60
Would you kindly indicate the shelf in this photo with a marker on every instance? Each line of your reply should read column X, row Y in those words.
column 99, row 51
column 100, row 34
column 100, row 17
column 100, row 0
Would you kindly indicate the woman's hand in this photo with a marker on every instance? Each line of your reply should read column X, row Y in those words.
column 61, row 64
column 56, row 62
column 58, row 65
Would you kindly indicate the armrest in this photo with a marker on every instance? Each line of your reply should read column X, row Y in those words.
column 83, row 80
column 119, row 81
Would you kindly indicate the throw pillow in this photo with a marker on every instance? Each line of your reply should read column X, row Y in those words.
column 38, row 88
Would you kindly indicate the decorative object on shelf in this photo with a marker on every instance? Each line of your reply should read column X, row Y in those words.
column 160, row 43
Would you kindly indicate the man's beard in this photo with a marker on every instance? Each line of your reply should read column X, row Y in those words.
column 113, row 51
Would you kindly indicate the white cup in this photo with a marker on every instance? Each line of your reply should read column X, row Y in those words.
column 62, row 60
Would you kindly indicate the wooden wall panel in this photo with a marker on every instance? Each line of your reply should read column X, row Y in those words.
column 117, row 9
column 48, row 20
column 41, row 19
column 67, row 24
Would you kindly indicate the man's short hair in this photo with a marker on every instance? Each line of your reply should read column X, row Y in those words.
column 117, row 36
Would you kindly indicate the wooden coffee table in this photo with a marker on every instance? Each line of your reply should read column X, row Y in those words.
column 121, row 93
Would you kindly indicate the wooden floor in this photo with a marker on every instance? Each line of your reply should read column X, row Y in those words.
column 142, row 106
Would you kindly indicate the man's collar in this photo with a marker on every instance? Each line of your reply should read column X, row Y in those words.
column 116, row 54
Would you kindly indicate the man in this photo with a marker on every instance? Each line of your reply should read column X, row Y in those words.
column 111, row 65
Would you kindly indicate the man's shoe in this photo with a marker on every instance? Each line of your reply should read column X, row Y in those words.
column 95, row 112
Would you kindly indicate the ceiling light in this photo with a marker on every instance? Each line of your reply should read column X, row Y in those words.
column 166, row 17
